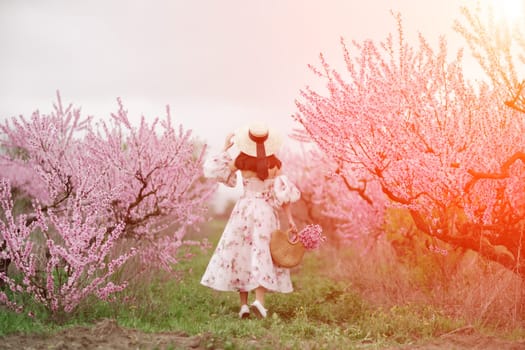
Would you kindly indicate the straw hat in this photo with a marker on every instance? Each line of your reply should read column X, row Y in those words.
column 258, row 129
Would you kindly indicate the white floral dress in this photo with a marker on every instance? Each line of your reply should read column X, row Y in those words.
column 242, row 260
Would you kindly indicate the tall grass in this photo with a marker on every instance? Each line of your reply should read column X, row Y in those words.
column 478, row 292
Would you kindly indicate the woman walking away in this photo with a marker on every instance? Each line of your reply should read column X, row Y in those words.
column 242, row 261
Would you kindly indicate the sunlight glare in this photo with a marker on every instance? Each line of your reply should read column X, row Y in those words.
column 509, row 11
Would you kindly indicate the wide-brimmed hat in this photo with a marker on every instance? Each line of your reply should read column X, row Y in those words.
column 258, row 129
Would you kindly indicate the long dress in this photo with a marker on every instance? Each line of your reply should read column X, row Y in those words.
column 242, row 259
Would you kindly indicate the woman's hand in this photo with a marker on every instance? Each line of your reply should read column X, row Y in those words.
column 229, row 141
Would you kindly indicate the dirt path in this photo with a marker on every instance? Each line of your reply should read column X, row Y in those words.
column 466, row 338
column 107, row 334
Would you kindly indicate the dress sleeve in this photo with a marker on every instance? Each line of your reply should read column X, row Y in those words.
column 218, row 167
column 285, row 191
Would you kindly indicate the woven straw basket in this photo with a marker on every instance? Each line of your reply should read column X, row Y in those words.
column 285, row 252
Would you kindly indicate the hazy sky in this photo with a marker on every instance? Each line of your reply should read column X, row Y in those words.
column 217, row 63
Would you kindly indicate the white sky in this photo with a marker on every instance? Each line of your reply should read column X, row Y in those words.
column 217, row 63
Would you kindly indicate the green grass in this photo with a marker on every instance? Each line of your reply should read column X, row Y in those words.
column 320, row 314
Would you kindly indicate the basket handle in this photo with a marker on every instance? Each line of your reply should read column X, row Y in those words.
column 293, row 236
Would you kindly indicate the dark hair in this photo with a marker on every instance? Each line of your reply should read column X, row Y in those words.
column 247, row 162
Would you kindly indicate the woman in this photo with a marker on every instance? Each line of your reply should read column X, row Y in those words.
column 242, row 261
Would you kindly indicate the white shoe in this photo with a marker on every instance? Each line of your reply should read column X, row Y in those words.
column 259, row 309
column 245, row 311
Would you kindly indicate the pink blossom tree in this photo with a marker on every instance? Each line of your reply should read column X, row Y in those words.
column 408, row 117
column 102, row 193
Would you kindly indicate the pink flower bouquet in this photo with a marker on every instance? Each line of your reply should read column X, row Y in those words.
column 311, row 237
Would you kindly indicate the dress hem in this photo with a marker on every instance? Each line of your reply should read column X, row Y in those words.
column 248, row 289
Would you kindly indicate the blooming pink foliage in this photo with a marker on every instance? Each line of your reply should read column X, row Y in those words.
column 410, row 120
column 77, row 247
column 93, row 186
column 158, row 171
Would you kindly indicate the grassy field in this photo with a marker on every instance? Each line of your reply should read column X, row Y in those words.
column 322, row 312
